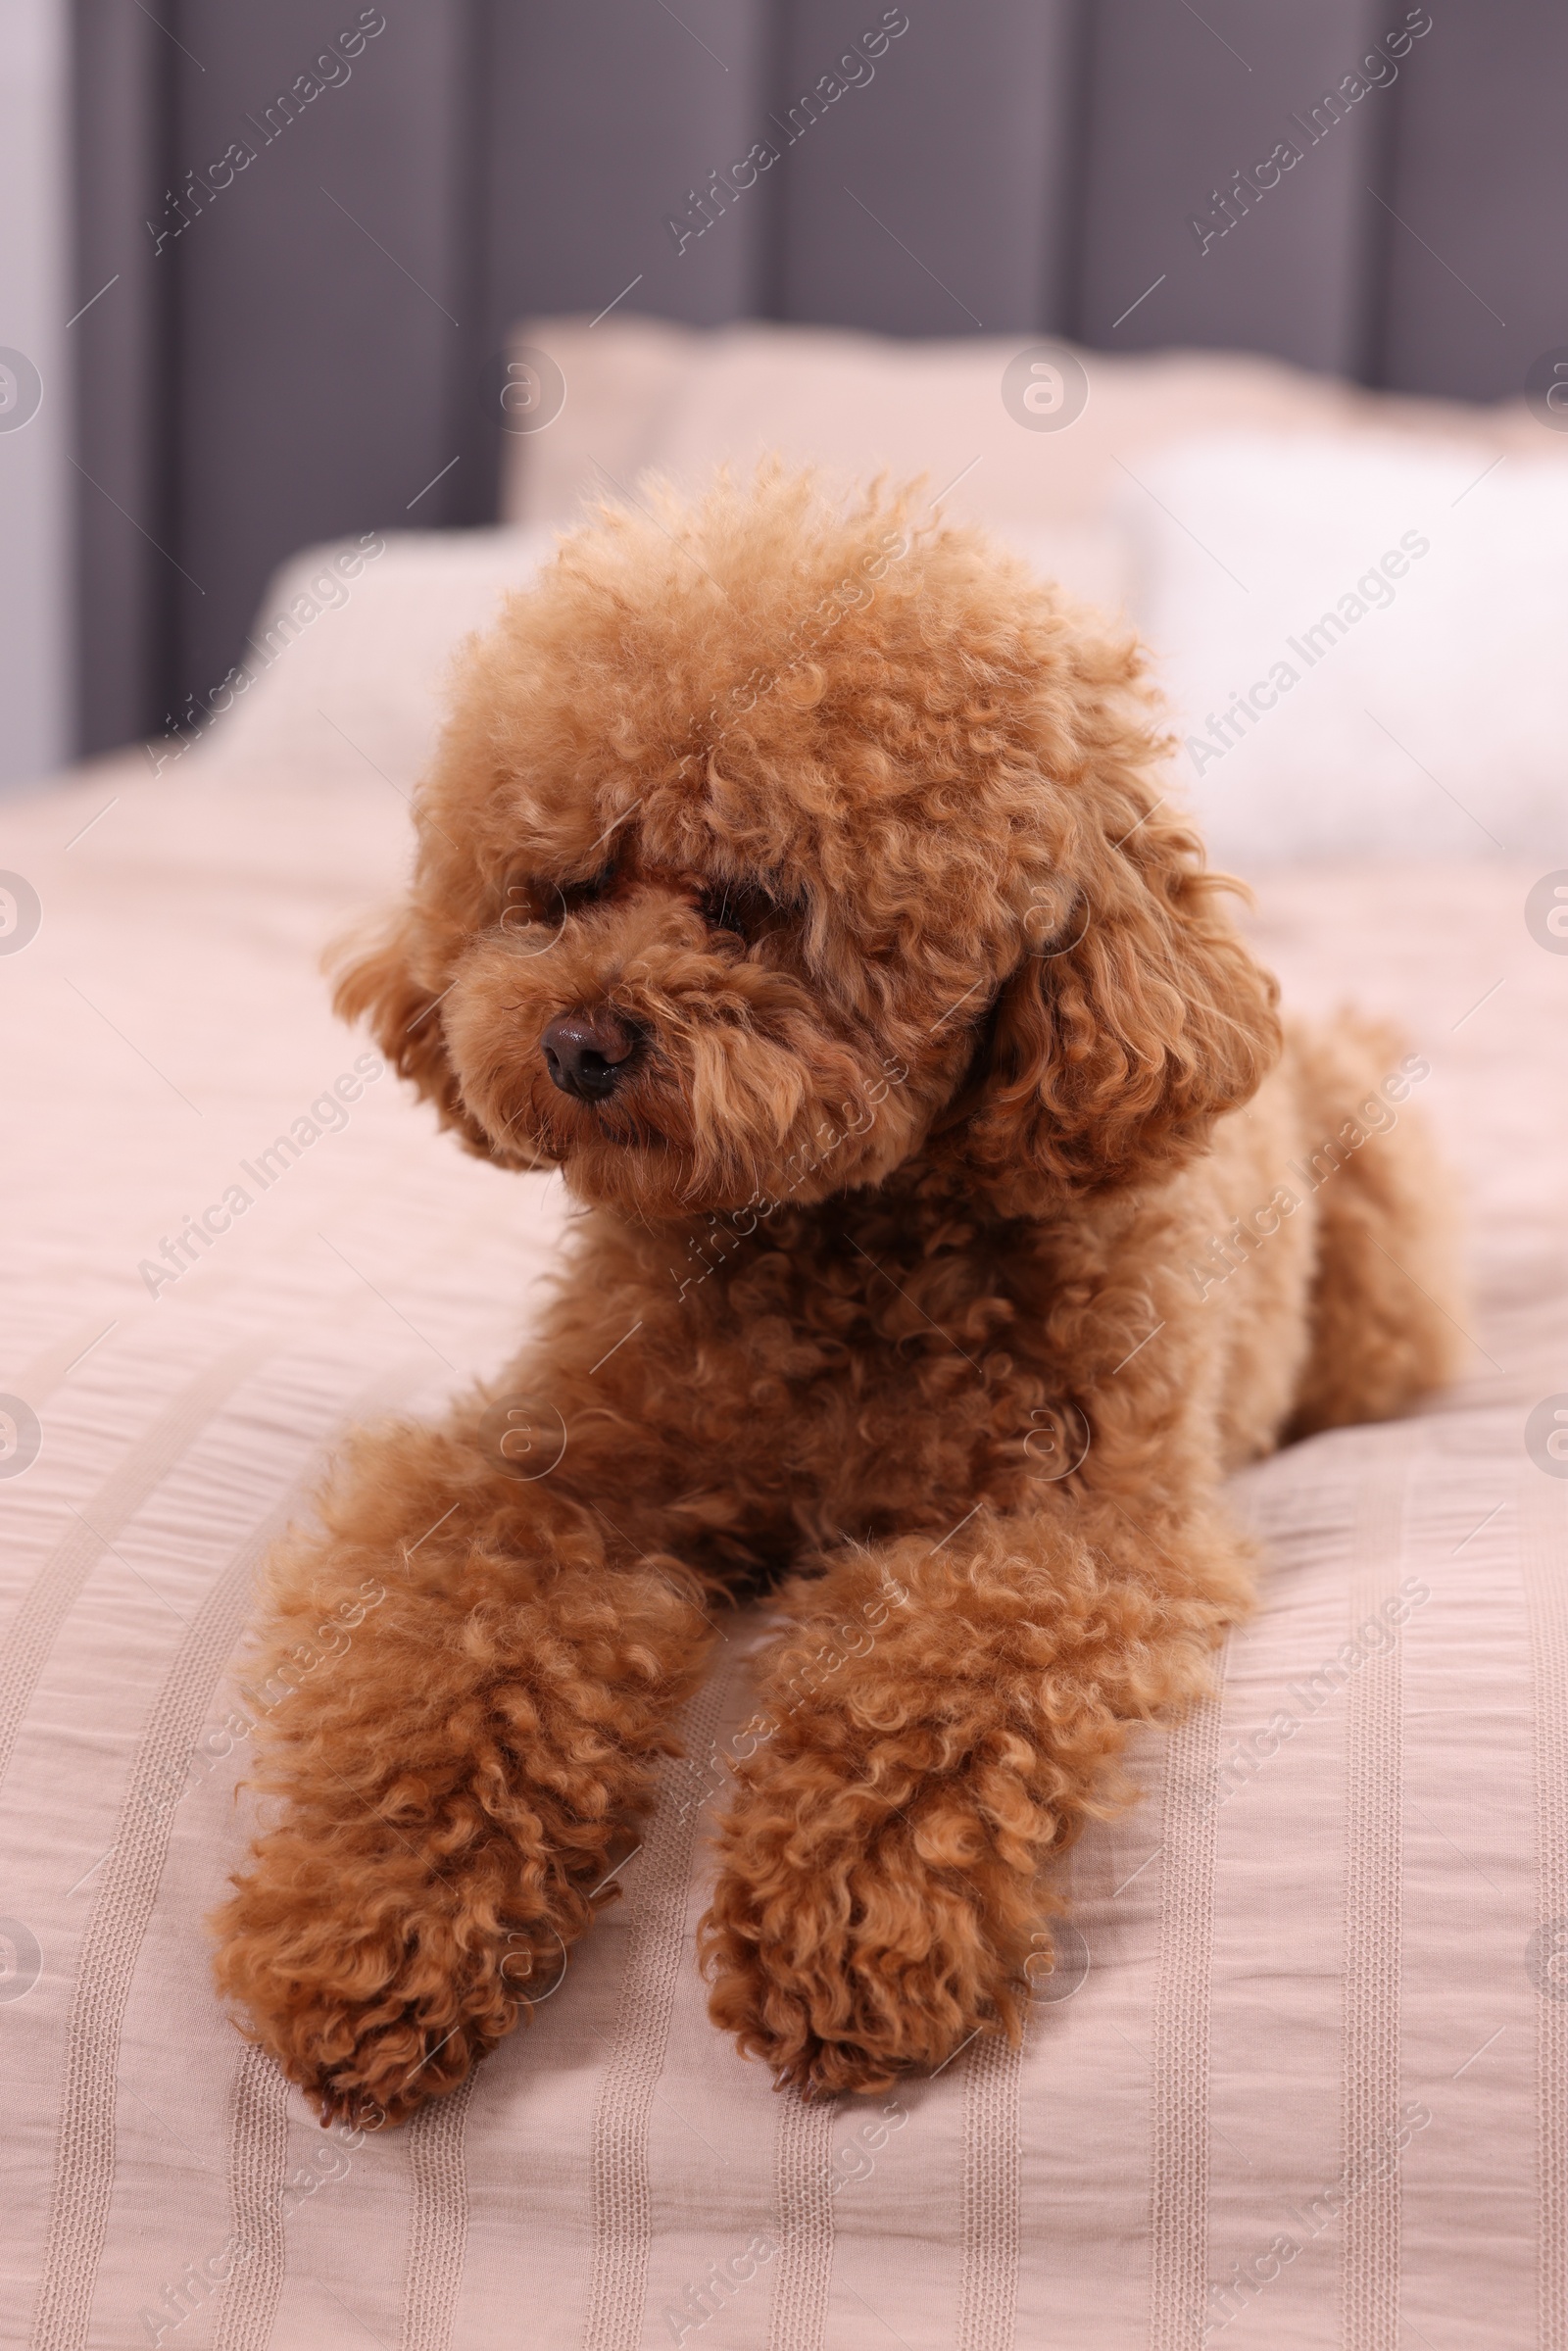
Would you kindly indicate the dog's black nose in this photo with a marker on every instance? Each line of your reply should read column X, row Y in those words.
column 586, row 1052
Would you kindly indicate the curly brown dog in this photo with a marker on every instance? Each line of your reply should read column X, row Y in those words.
column 802, row 882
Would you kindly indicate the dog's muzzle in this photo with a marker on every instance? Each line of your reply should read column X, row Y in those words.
column 585, row 1052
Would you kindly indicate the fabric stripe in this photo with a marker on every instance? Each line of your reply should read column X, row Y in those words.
column 988, row 2292
column 1179, row 2200
column 1374, row 1862
column 54, row 1589
column 85, row 2160
column 84, row 2180
column 258, row 2168
column 1543, row 1556
column 622, row 2198
column 803, row 2159
column 438, row 2231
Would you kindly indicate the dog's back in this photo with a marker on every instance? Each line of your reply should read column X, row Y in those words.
column 1386, row 1301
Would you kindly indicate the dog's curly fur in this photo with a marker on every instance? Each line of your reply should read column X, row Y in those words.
column 896, row 1293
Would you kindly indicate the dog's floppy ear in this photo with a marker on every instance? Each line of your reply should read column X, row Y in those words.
column 1111, row 1053
column 381, row 978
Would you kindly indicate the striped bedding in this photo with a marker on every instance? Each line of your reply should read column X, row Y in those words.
column 1301, row 2077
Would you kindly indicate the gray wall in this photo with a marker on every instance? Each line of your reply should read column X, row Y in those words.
column 317, row 344
column 36, row 495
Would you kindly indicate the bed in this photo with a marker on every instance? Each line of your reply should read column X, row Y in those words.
column 1301, row 2075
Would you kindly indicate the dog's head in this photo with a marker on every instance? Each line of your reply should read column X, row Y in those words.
column 773, row 846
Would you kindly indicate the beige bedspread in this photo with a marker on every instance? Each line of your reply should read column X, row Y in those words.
column 1307, row 2081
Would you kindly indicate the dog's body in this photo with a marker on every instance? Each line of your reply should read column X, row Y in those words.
column 957, row 1224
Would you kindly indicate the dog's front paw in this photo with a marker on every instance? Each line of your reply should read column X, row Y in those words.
column 373, row 2014
column 852, row 1940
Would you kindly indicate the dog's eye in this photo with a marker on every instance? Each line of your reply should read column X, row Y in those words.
column 744, row 908
column 530, row 897
column 584, row 893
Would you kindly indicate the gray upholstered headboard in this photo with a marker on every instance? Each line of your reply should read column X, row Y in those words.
column 321, row 219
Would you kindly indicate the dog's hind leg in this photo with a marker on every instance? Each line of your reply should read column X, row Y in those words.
column 1387, row 1297
column 467, row 1685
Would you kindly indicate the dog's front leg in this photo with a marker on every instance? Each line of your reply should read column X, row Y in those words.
column 465, row 1688
column 938, row 1723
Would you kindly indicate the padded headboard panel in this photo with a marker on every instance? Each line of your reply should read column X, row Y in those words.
column 313, row 225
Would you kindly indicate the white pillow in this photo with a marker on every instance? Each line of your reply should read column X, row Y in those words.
column 348, row 656
column 644, row 394
column 1397, row 616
